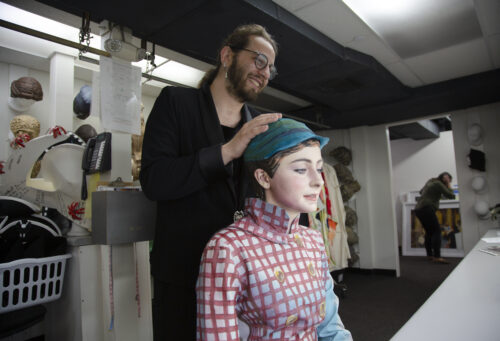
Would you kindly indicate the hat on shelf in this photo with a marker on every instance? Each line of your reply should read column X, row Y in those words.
column 477, row 160
column 82, row 101
column 23, row 93
column 86, row 132
column 478, row 183
column 26, row 87
column 475, row 134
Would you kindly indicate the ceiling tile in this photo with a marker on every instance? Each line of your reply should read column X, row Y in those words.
column 493, row 43
column 415, row 27
column 295, row 5
column 402, row 72
column 488, row 13
column 451, row 62
column 372, row 45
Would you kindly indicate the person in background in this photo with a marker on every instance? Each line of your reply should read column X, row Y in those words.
column 191, row 167
column 425, row 210
column 265, row 268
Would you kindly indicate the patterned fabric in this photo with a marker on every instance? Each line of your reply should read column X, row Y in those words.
column 275, row 280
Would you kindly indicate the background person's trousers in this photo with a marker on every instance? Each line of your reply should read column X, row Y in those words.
column 427, row 217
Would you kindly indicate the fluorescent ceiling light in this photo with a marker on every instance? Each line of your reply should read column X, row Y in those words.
column 370, row 11
column 36, row 22
column 167, row 69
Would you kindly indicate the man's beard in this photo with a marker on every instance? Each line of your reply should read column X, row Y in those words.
column 236, row 84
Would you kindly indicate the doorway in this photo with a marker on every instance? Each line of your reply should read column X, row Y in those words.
column 422, row 150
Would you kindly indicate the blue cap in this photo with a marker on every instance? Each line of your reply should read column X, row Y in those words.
column 282, row 134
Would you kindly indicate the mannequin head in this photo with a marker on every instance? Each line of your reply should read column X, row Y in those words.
column 285, row 164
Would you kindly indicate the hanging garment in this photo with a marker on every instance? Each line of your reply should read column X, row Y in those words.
column 331, row 222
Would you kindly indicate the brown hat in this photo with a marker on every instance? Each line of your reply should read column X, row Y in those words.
column 26, row 87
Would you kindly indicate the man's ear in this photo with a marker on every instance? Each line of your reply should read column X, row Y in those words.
column 262, row 178
column 226, row 56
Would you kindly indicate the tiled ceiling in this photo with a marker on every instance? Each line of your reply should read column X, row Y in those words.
column 419, row 41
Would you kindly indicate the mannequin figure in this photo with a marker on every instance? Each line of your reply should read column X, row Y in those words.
column 265, row 269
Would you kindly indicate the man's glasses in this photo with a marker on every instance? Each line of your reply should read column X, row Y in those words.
column 261, row 61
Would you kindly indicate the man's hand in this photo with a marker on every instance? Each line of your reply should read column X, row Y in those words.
column 237, row 145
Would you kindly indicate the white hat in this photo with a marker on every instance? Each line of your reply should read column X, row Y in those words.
column 475, row 134
column 478, row 183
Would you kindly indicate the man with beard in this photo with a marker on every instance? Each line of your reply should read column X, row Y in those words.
column 192, row 167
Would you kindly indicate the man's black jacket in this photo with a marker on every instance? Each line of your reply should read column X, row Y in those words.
column 182, row 169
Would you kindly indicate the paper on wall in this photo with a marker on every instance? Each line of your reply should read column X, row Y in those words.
column 120, row 96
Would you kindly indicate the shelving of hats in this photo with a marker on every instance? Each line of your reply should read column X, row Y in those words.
column 477, row 162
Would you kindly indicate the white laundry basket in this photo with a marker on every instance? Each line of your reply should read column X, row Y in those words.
column 30, row 281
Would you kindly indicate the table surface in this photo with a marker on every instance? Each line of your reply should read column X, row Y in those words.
column 466, row 306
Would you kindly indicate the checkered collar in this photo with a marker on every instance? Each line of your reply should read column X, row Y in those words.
column 267, row 221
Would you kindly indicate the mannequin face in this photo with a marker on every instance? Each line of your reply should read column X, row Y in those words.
column 297, row 182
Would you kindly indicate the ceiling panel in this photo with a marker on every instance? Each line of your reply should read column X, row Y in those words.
column 451, row 62
column 403, row 72
column 493, row 43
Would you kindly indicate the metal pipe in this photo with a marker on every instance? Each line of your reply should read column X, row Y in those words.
column 145, row 75
column 52, row 38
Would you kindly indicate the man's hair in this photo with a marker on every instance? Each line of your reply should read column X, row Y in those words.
column 239, row 38
column 271, row 165
column 441, row 176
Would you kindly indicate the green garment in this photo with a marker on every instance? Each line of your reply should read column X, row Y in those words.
column 434, row 190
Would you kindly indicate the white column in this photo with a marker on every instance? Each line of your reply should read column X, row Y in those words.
column 62, row 70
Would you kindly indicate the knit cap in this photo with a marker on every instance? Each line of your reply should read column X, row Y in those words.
column 282, row 134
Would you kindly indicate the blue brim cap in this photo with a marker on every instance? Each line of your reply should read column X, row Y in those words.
column 282, row 134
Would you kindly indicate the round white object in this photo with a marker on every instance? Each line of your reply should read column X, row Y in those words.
column 478, row 183
column 475, row 134
column 19, row 104
column 481, row 207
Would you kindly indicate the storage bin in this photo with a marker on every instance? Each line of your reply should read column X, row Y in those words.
column 30, row 281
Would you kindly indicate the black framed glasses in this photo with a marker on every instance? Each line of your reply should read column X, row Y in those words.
column 261, row 61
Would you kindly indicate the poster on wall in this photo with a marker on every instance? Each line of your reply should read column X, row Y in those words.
column 451, row 231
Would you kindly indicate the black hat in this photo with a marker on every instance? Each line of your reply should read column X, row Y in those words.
column 477, row 160
column 81, row 103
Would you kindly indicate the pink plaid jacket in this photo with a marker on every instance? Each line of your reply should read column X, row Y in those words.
column 276, row 282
